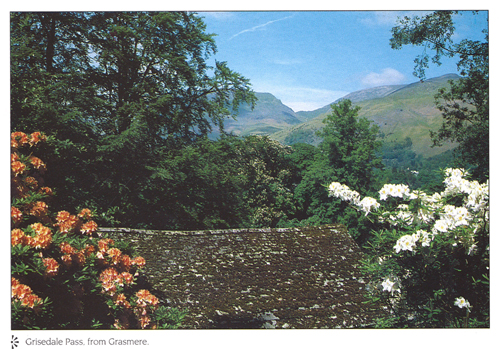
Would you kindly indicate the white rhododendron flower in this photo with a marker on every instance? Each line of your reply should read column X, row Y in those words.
column 384, row 192
column 368, row 203
column 389, row 286
column 405, row 243
column 461, row 302
column 441, row 226
column 343, row 192
column 455, row 216
column 425, row 237
column 394, row 190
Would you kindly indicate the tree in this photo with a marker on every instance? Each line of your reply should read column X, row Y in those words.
column 351, row 146
column 118, row 90
column 348, row 154
column 152, row 68
column 465, row 106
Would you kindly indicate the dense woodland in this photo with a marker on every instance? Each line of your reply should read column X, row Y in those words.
column 128, row 99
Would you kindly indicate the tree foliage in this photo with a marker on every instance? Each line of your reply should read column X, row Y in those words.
column 465, row 105
column 351, row 145
column 117, row 90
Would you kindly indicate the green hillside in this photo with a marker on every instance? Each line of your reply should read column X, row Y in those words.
column 268, row 116
column 407, row 111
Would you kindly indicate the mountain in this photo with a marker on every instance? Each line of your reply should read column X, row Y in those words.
column 370, row 93
column 400, row 111
column 268, row 116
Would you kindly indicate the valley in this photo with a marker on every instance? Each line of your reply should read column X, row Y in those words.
column 399, row 110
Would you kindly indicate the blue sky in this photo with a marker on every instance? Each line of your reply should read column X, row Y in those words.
column 309, row 59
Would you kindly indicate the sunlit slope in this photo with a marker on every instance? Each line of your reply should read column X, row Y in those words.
column 268, row 116
column 408, row 111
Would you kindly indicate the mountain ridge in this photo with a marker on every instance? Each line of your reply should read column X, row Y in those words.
column 408, row 111
column 399, row 110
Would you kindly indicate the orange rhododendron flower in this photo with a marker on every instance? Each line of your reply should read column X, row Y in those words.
column 62, row 216
column 39, row 228
column 139, row 261
column 144, row 321
column 16, row 215
column 37, row 137
column 31, row 182
column 103, row 244
column 45, row 190
column 37, row 163
column 14, row 157
column 66, row 222
column 144, row 297
column 31, row 300
column 125, row 262
column 110, row 279
column 127, row 277
column 115, row 255
column 51, row 265
column 24, row 294
column 67, row 260
column 85, row 213
column 17, row 236
column 89, row 228
column 66, row 248
column 19, row 290
column 17, row 167
column 18, row 139
column 43, row 236
column 39, row 209
column 121, row 300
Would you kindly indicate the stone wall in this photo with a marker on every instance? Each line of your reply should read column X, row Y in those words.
column 257, row 278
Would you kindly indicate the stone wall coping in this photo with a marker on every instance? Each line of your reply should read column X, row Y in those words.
column 212, row 231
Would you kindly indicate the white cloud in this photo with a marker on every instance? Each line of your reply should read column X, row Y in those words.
column 388, row 76
column 260, row 26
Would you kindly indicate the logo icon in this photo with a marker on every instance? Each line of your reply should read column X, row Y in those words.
column 14, row 342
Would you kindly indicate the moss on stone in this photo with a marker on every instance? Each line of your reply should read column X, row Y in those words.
column 257, row 278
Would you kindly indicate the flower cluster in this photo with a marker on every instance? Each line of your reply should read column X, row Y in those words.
column 111, row 280
column 367, row 204
column 61, row 245
column 52, row 267
column 146, row 303
column 21, row 139
column 456, row 215
column 433, row 211
column 68, row 223
column 41, row 240
column 24, row 294
column 118, row 267
column 394, row 190
column 72, row 256
column 343, row 192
